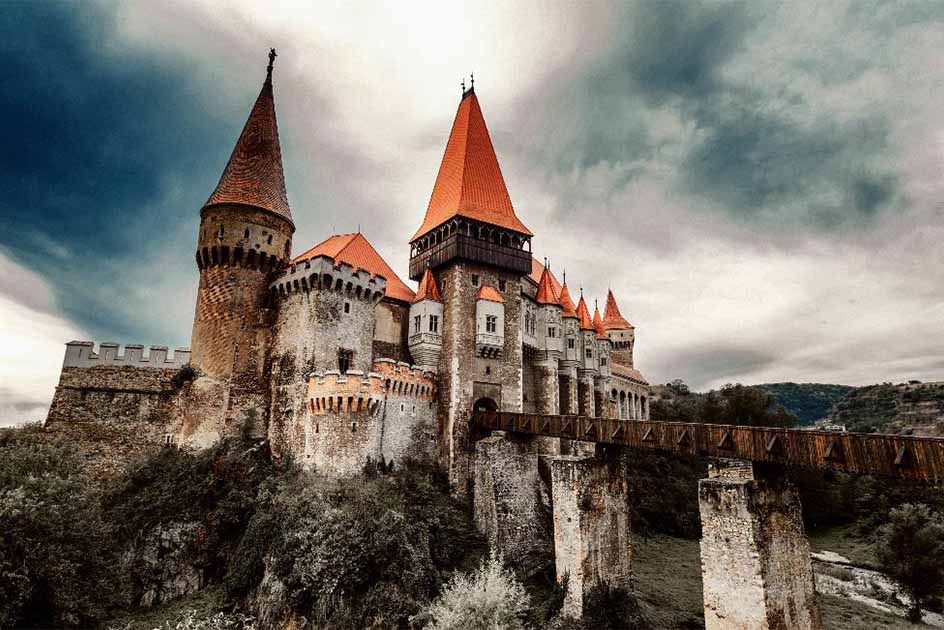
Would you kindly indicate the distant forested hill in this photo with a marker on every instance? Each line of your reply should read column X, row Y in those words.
column 808, row 401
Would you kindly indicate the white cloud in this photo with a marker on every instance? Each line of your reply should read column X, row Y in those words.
column 33, row 339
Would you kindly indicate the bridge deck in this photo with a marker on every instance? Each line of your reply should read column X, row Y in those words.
column 919, row 458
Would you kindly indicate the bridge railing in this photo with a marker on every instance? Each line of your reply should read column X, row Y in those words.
column 909, row 457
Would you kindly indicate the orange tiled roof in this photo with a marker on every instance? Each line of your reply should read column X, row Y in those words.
column 612, row 319
column 537, row 270
column 618, row 369
column 567, row 302
column 428, row 289
column 546, row 293
column 253, row 176
column 598, row 323
column 584, row 314
column 490, row 293
column 470, row 182
column 356, row 251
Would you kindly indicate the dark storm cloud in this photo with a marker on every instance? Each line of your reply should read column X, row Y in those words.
column 756, row 150
column 95, row 144
column 715, row 361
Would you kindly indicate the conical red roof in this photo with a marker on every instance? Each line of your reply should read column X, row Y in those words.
column 428, row 289
column 584, row 314
column 598, row 323
column 470, row 182
column 567, row 302
column 546, row 293
column 253, row 176
column 612, row 319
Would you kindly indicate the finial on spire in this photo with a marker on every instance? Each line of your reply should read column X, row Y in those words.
column 565, row 276
column 473, row 81
column 272, row 57
column 463, row 86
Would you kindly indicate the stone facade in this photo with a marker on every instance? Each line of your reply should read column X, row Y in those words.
column 592, row 545
column 756, row 568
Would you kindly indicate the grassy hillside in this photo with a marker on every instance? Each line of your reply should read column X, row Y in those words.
column 911, row 407
column 809, row 402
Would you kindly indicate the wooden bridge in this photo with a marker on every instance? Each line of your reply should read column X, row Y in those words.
column 908, row 457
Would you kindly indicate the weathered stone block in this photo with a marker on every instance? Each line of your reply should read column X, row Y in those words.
column 592, row 543
column 756, row 568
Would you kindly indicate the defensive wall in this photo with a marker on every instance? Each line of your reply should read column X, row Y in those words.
column 386, row 414
column 117, row 402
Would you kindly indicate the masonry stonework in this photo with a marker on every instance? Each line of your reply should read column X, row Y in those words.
column 756, row 567
column 592, row 545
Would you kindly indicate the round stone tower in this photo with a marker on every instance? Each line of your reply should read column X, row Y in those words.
column 245, row 235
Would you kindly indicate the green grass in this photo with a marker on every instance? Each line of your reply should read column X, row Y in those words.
column 846, row 541
column 668, row 585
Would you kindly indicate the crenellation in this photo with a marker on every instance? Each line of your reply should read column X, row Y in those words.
column 81, row 354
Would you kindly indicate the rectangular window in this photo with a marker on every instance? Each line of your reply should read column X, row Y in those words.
column 501, row 284
column 434, row 323
column 551, row 332
column 589, row 353
column 347, row 307
column 475, row 279
column 491, row 323
column 571, row 343
column 602, row 360
column 416, row 324
column 345, row 359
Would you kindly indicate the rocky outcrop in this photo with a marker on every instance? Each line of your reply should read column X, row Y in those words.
column 162, row 563
column 907, row 408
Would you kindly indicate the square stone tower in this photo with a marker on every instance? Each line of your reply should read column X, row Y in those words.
column 479, row 251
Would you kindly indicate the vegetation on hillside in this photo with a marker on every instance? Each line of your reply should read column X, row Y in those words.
column 887, row 408
column 809, row 402
column 732, row 404
column 911, row 550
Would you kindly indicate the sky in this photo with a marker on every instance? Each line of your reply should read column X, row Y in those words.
column 759, row 183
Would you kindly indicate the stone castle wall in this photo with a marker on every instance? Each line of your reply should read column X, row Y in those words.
column 117, row 405
column 388, row 414
column 464, row 377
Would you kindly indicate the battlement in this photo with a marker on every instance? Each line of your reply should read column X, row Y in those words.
column 81, row 354
column 331, row 392
column 322, row 273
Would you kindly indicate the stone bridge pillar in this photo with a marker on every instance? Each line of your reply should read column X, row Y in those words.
column 591, row 526
column 755, row 557
column 585, row 401
column 548, row 402
column 507, row 499
column 568, row 390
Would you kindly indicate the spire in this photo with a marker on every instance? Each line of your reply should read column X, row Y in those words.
column 470, row 182
column 584, row 314
column 612, row 319
column 428, row 289
column 598, row 322
column 567, row 302
column 253, row 176
column 546, row 293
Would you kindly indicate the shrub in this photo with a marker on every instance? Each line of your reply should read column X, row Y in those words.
column 54, row 551
column 490, row 598
column 911, row 550
column 367, row 552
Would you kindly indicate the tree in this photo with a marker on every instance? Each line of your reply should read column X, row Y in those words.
column 911, row 550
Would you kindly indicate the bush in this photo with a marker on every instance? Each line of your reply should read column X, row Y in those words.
column 490, row 598
column 911, row 550
column 54, row 550
column 365, row 552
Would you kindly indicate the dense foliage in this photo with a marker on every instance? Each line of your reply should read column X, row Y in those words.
column 54, row 548
column 732, row 404
column 809, row 402
column 911, row 550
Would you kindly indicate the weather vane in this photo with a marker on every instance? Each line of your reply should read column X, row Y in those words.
column 272, row 56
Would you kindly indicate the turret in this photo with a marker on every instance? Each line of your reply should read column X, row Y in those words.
column 550, row 325
column 603, row 342
column 587, row 337
column 621, row 333
column 571, row 326
column 245, row 233
column 426, row 323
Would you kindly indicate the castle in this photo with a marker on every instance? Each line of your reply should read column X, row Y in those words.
column 332, row 357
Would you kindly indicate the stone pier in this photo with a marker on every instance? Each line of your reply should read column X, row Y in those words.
column 755, row 557
column 591, row 526
column 507, row 500
column 548, row 402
